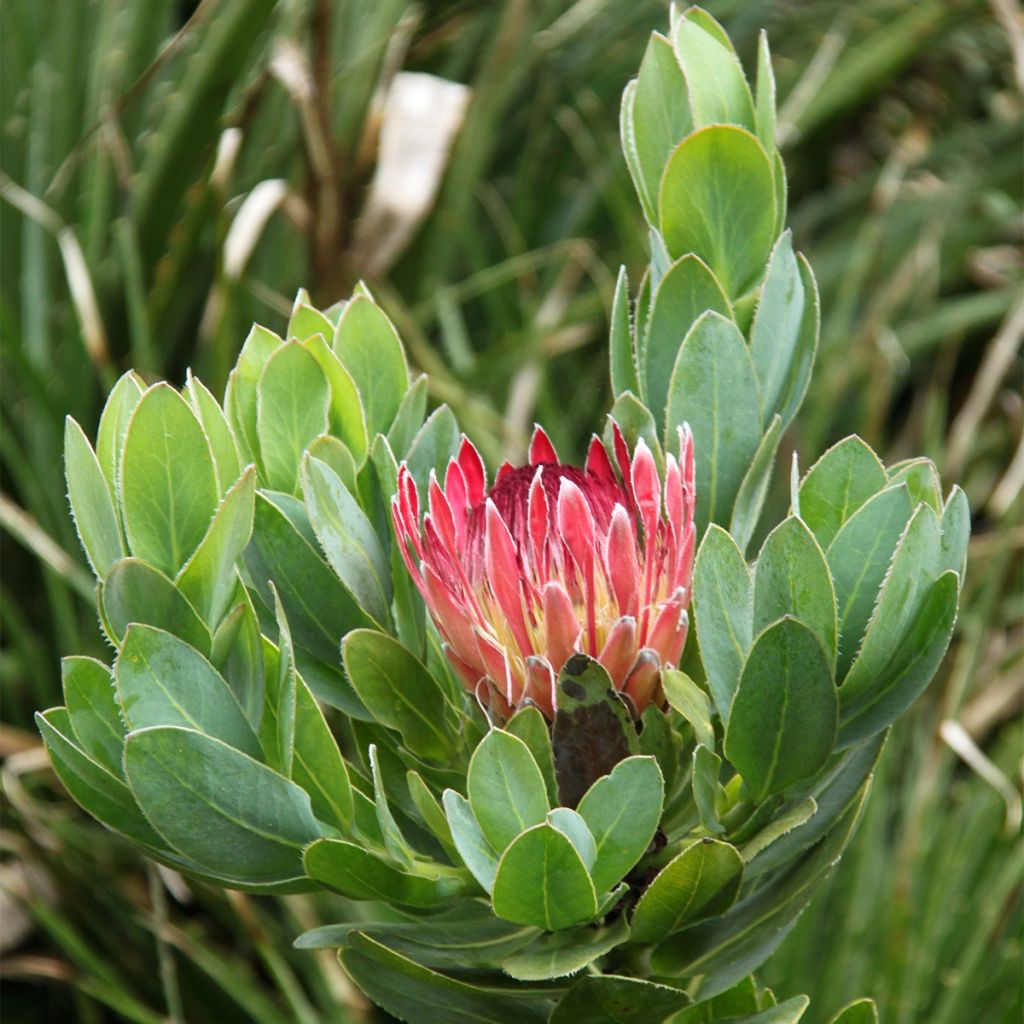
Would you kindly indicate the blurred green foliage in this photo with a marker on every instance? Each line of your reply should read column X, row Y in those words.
column 132, row 135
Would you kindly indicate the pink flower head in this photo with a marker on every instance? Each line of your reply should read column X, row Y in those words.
column 555, row 560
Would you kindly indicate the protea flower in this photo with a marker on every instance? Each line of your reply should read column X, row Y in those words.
column 555, row 560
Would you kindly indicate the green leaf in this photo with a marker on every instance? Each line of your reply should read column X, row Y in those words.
column 415, row 993
column 505, row 787
column 574, row 828
column 717, row 201
column 399, row 692
column 718, row 89
column 209, row 577
column 707, row 790
column 277, row 726
column 764, row 95
column 361, row 875
column 218, row 432
column 163, row 681
column 91, row 503
column 660, row 741
column 777, row 344
column 713, row 389
column 240, row 397
column 291, row 412
column 558, row 954
column 135, row 592
column 635, row 421
column 593, row 730
column 834, row 794
column 436, row 443
column 783, row 718
column 543, row 881
column 305, row 322
column 746, row 511
column 859, row 558
column 860, row 1011
column 336, row 455
column 956, row 532
column 728, row 947
column 686, row 697
column 396, row 843
column 788, row 1012
column 701, row 881
column 792, row 578
column 169, row 487
column 431, row 813
column 530, row 725
column 317, row 765
column 238, row 653
column 347, row 538
column 922, row 480
column 468, row 935
column 687, row 290
column 609, row 999
column 661, row 111
column 622, row 811
column 837, row 485
column 345, row 408
column 92, row 710
column 319, row 608
column 477, row 854
column 723, row 595
column 908, row 580
column 909, row 669
column 409, row 418
column 627, row 137
column 782, row 824
column 620, row 341
column 93, row 787
column 739, row 1001
column 219, row 807
column 368, row 347
column 117, row 413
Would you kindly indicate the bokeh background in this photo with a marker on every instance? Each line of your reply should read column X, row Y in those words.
column 172, row 171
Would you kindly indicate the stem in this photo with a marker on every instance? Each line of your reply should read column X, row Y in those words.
column 165, row 957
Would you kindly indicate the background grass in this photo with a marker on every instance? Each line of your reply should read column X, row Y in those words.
column 903, row 144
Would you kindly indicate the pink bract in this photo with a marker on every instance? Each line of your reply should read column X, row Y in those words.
column 552, row 561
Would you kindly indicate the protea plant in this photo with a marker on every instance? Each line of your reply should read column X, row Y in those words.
column 558, row 803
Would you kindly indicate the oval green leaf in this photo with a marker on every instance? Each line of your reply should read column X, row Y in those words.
column 92, row 506
column 783, row 718
column 701, row 881
column 367, row 344
column 291, row 412
column 622, row 811
column 792, row 578
column 542, row 881
column 837, row 485
column 713, row 388
column 717, row 201
column 219, row 807
column 687, row 290
column 169, row 489
column 162, row 681
column 93, row 711
column 347, row 538
column 136, row 592
column 723, row 596
column 506, row 788
column 399, row 692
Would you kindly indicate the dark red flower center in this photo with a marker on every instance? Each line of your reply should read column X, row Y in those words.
column 511, row 494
